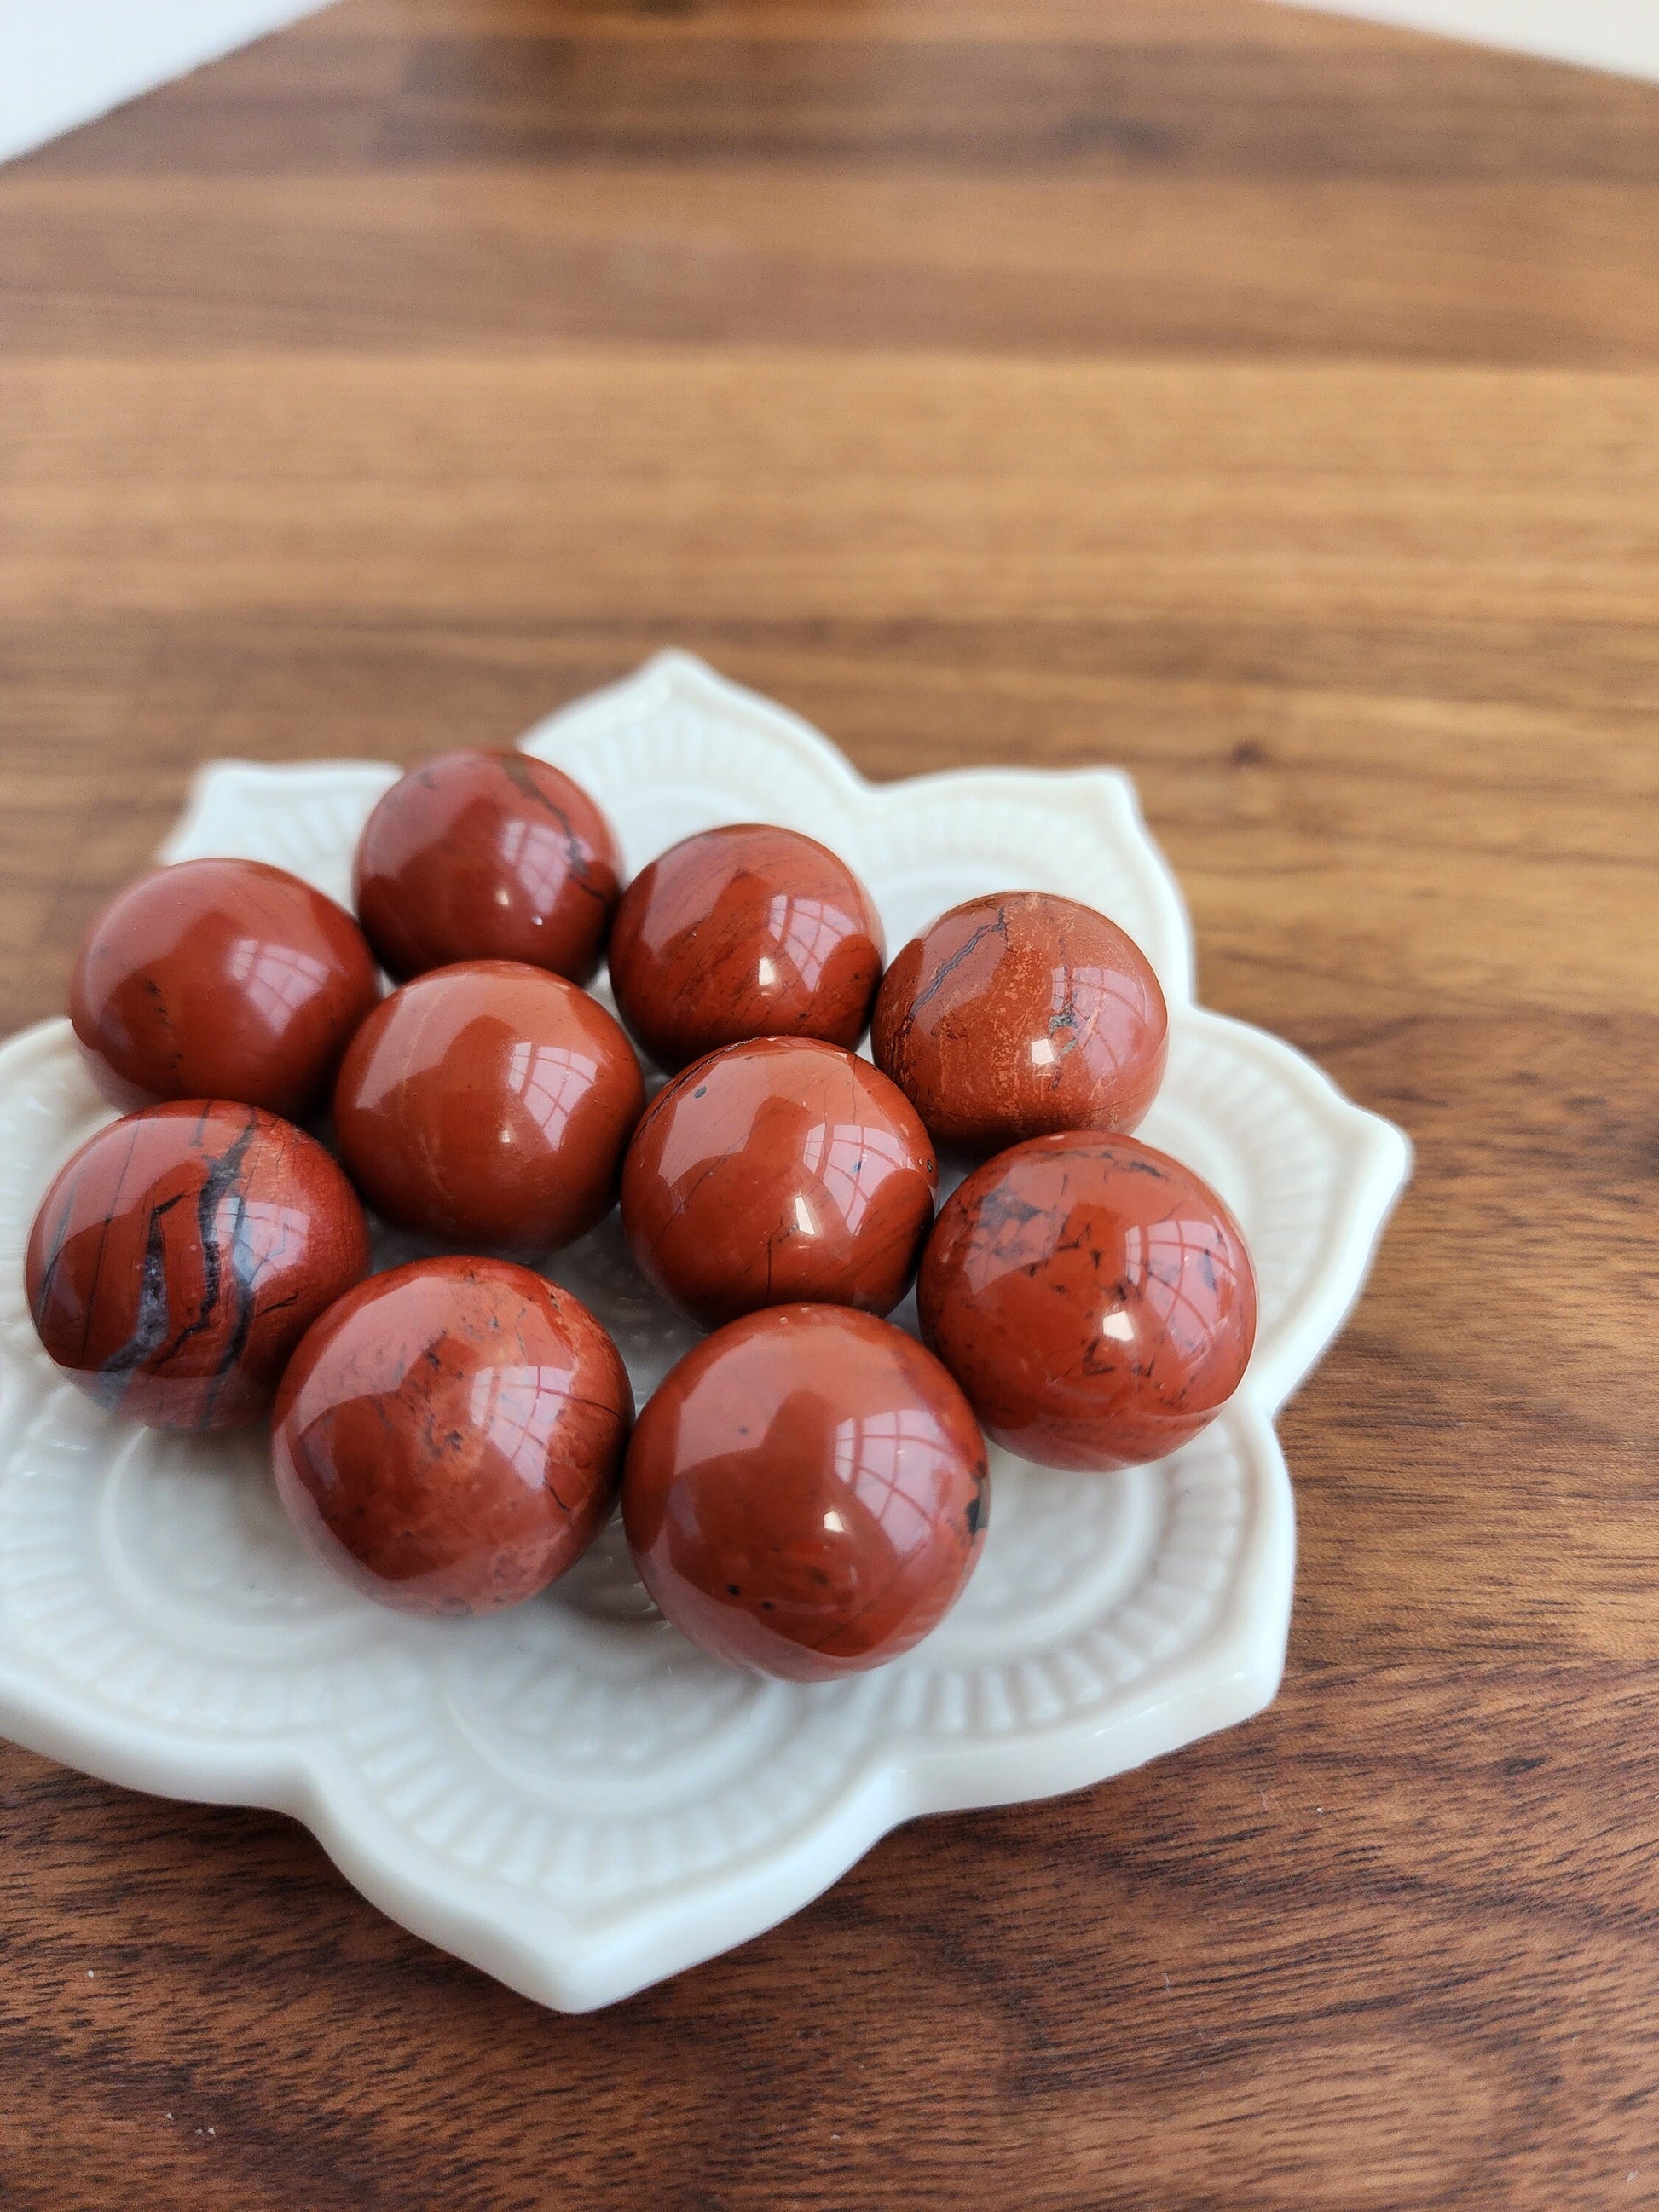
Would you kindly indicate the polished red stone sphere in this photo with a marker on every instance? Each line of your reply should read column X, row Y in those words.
column 1093, row 1297
column 221, row 979
column 806, row 1493
column 1019, row 1014
column 487, row 856
column 744, row 931
column 488, row 1103
column 779, row 1171
column 180, row 1256
column 449, row 1438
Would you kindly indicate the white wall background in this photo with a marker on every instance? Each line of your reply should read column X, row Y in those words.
column 1612, row 34
column 62, row 62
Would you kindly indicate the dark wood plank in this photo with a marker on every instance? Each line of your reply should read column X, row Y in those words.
column 1045, row 105
column 1267, row 403
column 1044, row 180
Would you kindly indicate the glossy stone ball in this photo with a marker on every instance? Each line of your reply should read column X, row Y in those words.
column 221, row 979
column 1019, row 1014
column 744, row 931
column 180, row 1254
column 1093, row 1297
column 806, row 1493
column 775, row 1172
column 488, row 1104
column 449, row 1438
column 487, row 856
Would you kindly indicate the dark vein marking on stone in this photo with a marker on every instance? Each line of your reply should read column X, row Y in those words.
column 219, row 1182
column 90, row 1308
column 150, row 1324
column 998, row 927
column 517, row 771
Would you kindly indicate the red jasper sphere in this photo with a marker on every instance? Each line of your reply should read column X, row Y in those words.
column 180, row 1254
column 488, row 1104
column 1019, row 1014
column 449, row 1437
column 221, row 979
column 806, row 1493
column 775, row 1172
column 744, row 931
column 1093, row 1297
column 487, row 856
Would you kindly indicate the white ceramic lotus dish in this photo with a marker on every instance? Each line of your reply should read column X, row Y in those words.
column 570, row 1796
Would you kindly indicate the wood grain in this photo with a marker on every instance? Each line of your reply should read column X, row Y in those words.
column 1265, row 402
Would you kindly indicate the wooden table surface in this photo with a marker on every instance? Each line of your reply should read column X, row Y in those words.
column 1267, row 404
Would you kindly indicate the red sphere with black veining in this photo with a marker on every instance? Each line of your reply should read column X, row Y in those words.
column 806, row 1493
column 450, row 1435
column 779, row 1171
column 487, row 856
column 488, row 1103
column 221, row 979
column 1093, row 1297
column 181, row 1254
column 744, row 931
column 1018, row 1015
